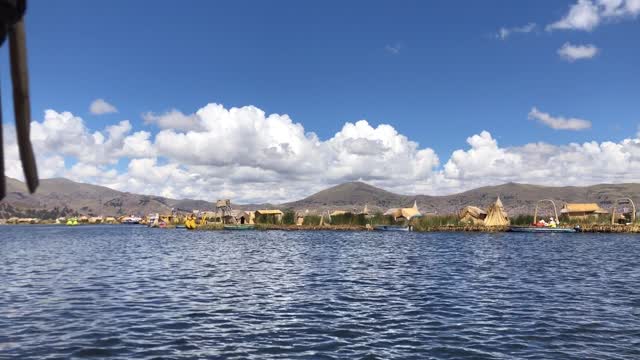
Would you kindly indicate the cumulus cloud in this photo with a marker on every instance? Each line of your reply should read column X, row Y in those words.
column 559, row 122
column 586, row 15
column 173, row 119
column 100, row 107
column 485, row 163
column 572, row 53
column 67, row 135
column 505, row 32
column 253, row 157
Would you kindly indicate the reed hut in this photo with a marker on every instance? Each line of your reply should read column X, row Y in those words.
column 240, row 217
column 404, row 213
column 496, row 216
column 472, row 215
column 582, row 211
column 270, row 216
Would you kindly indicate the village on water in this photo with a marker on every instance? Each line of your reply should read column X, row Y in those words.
column 545, row 217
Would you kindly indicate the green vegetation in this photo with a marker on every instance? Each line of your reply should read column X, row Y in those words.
column 210, row 226
column 522, row 220
column 601, row 219
column 380, row 219
column 434, row 221
column 349, row 219
column 312, row 220
column 289, row 217
column 266, row 219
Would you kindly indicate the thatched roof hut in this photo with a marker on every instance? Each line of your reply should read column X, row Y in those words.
column 404, row 213
column 496, row 216
column 275, row 214
column 582, row 210
column 472, row 215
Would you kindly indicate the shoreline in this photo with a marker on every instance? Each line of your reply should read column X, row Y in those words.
column 595, row 228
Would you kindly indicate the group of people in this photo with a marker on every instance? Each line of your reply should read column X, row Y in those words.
column 552, row 223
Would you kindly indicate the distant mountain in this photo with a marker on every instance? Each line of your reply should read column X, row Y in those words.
column 348, row 195
column 517, row 198
column 59, row 197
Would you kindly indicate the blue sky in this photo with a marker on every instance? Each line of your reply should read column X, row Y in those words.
column 436, row 71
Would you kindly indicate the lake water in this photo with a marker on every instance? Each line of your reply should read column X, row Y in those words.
column 134, row 292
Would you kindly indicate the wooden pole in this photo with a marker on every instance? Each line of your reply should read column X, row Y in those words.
column 21, row 102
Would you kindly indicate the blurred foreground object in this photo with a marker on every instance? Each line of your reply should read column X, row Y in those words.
column 12, row 26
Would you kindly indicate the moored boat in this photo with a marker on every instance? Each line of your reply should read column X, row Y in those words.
column 131, row 220
column 239, row 227
column 535, row 229
column 391, row 228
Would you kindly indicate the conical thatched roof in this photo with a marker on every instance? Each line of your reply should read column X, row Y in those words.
column 496, row 216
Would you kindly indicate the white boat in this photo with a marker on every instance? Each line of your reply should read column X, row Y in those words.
column 391, row 228
column 131, row 220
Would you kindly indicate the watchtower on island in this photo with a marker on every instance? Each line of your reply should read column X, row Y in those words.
column 224, row 208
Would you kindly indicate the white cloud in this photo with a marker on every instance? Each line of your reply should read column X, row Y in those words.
column 586, row 15
column 100, row 107
column 173, row 119
column 559, row 123
column 66, row 134
column 505, row 32
column 393, row 49
column 252, row 157
column 50, row 164
column 539, row 163
column 572, row 53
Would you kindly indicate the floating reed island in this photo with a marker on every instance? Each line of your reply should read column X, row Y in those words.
column 586, row 217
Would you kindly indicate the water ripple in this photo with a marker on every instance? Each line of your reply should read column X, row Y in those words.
column 133, row 292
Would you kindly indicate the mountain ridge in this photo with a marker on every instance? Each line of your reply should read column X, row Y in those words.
column 64, row 196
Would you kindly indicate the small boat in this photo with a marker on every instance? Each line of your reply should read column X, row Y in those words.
column 72, row 222
column 535, row 229
column 239, row 227
column 391, row 228
column 131, row 220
